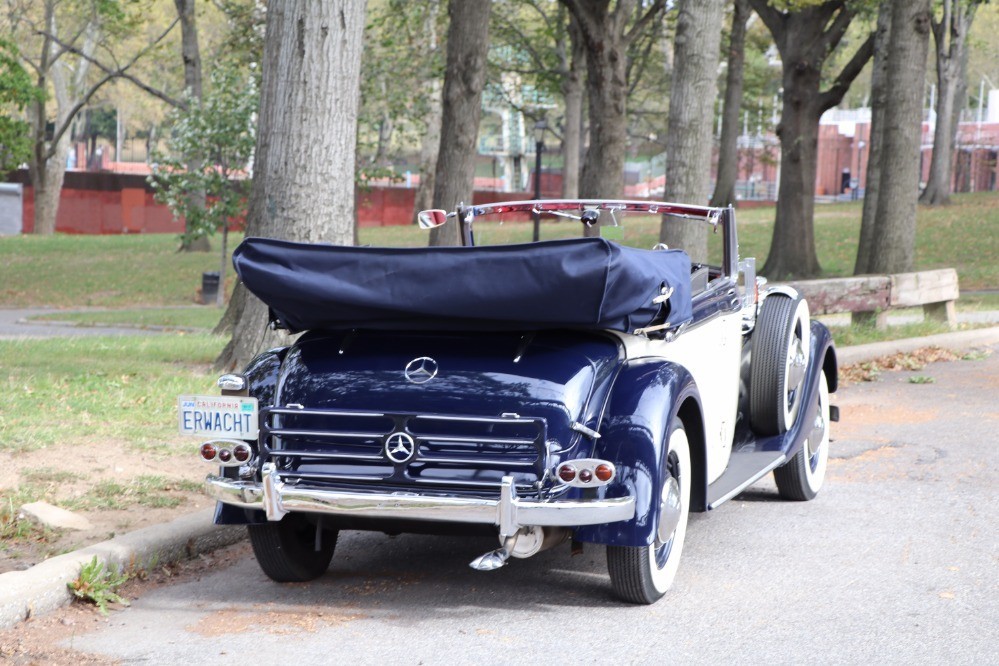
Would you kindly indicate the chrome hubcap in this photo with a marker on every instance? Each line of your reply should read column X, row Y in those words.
column 669, row 511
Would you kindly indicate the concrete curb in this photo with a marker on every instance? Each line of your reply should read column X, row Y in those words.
column 42, row 588
column 958, row 340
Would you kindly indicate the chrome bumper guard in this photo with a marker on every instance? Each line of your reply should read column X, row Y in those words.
column 509, row 512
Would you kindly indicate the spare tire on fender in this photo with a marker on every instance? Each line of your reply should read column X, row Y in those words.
column 781, row 342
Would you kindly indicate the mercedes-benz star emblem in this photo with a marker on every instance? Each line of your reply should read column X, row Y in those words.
column 399, row 447
column 421, row 370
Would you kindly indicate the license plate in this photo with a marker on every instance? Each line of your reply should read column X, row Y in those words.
column 232, row 417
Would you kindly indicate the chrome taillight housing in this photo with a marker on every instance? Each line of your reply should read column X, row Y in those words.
column 586, row 472
column 226, row 452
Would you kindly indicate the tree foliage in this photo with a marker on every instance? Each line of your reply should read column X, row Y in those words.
column 16, row 92
column 221, row 129
column 402, row 54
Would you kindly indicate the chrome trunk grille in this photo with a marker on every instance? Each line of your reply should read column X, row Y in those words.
column 346, row 448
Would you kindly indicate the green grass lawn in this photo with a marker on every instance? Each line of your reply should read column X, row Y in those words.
column 109, row 271
column 71, row 390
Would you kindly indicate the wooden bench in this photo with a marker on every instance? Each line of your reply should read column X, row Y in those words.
column 870, row 297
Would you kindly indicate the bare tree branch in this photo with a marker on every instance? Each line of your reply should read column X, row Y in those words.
column 834, row 33
column 834, row 94
column 773, row 18
column 642, row 62
column 640, row 24
column 121, row 72
column 110, row 74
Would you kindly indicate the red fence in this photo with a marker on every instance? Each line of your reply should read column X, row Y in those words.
column 102, row 203
column 112, row 203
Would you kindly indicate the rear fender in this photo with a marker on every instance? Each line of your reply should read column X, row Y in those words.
column 261, row 382
column 645, row 400
column 821, row 360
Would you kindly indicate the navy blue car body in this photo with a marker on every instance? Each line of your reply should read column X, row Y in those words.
column 382, row 417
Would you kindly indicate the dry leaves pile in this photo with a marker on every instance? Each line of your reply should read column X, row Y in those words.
column 915, row 360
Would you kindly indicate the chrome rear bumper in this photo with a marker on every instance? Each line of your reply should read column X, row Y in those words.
column 509, row 512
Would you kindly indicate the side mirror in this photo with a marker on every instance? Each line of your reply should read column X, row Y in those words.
column 431, row 219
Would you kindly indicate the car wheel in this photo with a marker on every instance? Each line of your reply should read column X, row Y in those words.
column 642, row 574
column 779, row 363
column 801, row 477
column 286, row 550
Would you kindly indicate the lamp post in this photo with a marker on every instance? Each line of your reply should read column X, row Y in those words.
column 539, row 146
column 860, row 161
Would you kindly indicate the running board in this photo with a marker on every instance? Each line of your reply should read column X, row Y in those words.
column 744, row 469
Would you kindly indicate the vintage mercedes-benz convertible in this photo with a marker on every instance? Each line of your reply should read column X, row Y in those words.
column 574, row 389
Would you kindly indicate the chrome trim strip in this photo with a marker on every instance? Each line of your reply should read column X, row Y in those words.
column 477, row 461
column 328, row 476
column 382, row 479
column 476, row 440
column 509, row 512
column 326, row 433
column 322, row 412
column 471, row 484
column 280, row 453
column 729, row 495
column 474, row 419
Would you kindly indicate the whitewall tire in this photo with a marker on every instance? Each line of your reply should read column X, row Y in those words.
column 801, row 477
column 643, row 574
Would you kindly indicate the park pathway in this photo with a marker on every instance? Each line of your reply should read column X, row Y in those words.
column 15, row 324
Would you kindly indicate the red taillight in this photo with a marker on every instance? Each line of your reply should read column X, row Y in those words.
column 585, row 476
column 604, row 472
column 567, row 473
column 225, row 455
column 208, row 451
column 241, row 453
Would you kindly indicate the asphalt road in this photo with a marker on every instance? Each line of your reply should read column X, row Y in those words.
column 896, row 561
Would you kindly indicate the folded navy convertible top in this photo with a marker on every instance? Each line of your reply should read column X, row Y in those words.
column 577, row 283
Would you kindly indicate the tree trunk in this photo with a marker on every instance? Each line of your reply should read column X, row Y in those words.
column 191, row 55
column 431, row 140
column 879, row 97
column 606, row 34
column 46, row 181
column 792, row 250
column 303, row 180
column 464, row 78
column 728, row 148
column 430, row 144
column 47, row 164
column 603, row 171
column 691, row 115
column 190, row 50
column 572, row 93
column 805, row 38
column 894, row 245
column 950, row 39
